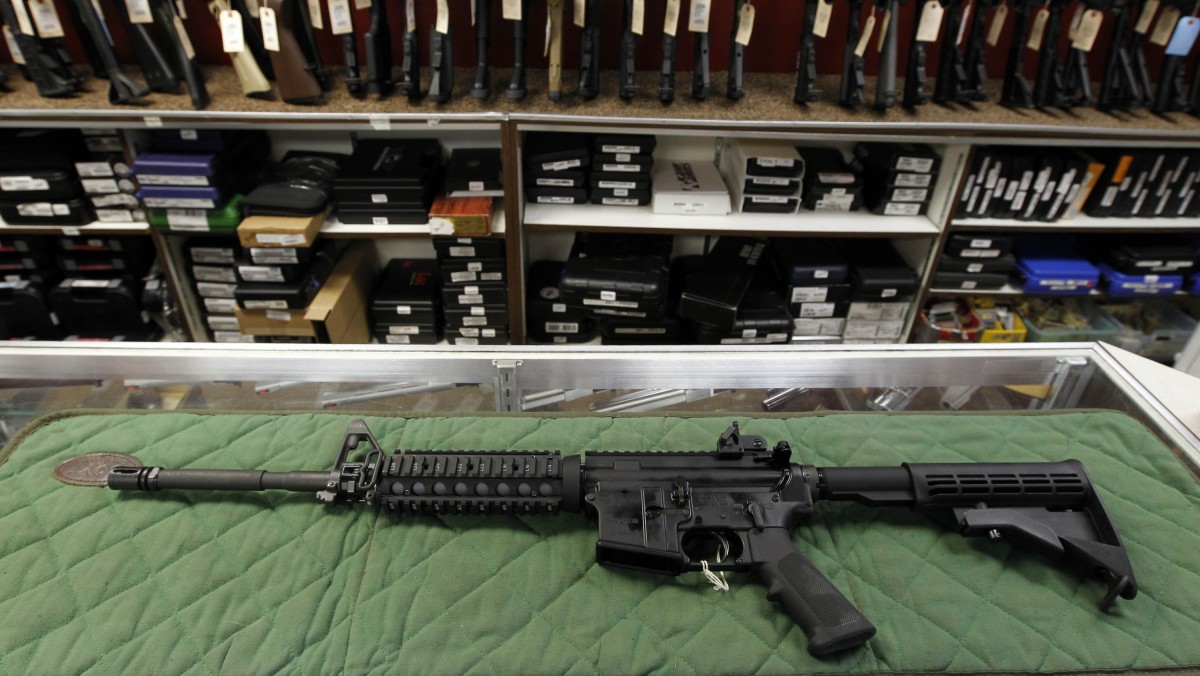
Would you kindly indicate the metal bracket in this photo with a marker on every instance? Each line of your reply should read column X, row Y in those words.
column 508, row 391
column 1067, row 383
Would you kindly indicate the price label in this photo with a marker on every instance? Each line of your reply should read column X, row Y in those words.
column 883, row 26
column 1185, row 37
column 931, row 22
column 410, row 15
column 139, row 11
column 46, row 18
column 443, row 17
column 15, row 51
column 549, row 34
column 511, row 10
column 340, row 22
column 698, row 19
column 270, row 29
column 1038, row 29
column 638, row 20
column 865, row 38
column 1147, row 16
column 1165, row 26
column 997, row 25
column 579, row 13
column 23, row 23
column 314, row 14
column 362, row 4
column 746, row 24
column 184, row 40
column 671, row 20
column 180, row 9
column 1089, row 28
column 233, row 39
column 821, row 20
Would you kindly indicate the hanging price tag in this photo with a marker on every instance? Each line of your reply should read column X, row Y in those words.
column 638, row 22
column 13, row 50
column 362, row 4
column 184, row 40
column 46, row 18
column 931, row 22
column 1185, row 37
column 671, row 20
column 23, row 23
column 746, row 25
column 1165, row 26
column 511, row 10
column 883, row 26
column 968, row 9
column 314, row 14
column 1089, row 28
column 865, row 38
column 997, row 25
column 139, row 11
column 180, row 10
column 821, row 20
column 410, row 15
column 340, row 22
column 698, row 19
column 1147, row 16
column 443, row 17
column 1038, row 29
column 579, row 15
column 270, row 29
column 549, row 35
column 233, row 39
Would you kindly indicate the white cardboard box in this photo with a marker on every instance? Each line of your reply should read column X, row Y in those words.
column 689, row 187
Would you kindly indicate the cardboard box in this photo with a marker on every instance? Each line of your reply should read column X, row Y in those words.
column 461, row 216
column 337, row 314
column 280, row 231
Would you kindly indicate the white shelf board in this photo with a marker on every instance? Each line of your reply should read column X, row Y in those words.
column 95, row 228
column 1081, row 222
column 335, row 228
column 597, row 216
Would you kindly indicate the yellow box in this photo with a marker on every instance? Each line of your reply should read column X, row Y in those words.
column 280, row 231
column 1014, row 335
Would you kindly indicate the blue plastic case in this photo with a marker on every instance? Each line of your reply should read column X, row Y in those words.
column 1058, row 276
column 1120, row 284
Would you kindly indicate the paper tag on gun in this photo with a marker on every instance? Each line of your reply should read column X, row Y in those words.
column 964, row 21
column 410, row 15
column 314, row 15
column 579, row 13
column 46, row 18
column 671, row 19
column 1165, row 26
column 15, row 51
column 1185, row 37
column 698, row 19
column 638, row 20
column 24, row 25
column 994, row 30
column 1147, row 16
column 1089, row 28
column 340, row 22
column 865, row 38
column 746, row 25
column 139, row 11
column 883, row 27
column 362, row 4
column 511, row 10
column 821, row 20
column 443, row 17
column 1038, row 29
column 270, row 30
column 233, row 39
column 931, row 22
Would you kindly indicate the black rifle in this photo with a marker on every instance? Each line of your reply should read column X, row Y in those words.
column 156, row 71
column 166, row 16
column 441, row 65
column 516, row 84
column 853, row 65
column 974, row 56
column 354, row 82
column 1048, row 87
column 589, row 52
column 1016, row 92
column 666, row 86
column 378, row 43
column 1170, row 95
column 1077, row 83
column 1120, row 88
column 409, row 83
column 701, row 75
column 626, row 62
column 885, row 81
column 952, row 70
column 1193, row 102
column 735, row 83
column 727, row 510
column 90, row 50
column 46, row 63
column 806, row 60
column 122, row 89
column 914, row 69
column 481, row 88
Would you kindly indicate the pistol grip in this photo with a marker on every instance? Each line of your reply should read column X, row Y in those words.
column 824, row 614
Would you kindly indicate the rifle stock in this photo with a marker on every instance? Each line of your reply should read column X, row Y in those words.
column 245, row 66
column 589, row 52
column 378, row 43
column 122, row 89
column 1016, row 92
column 410, row 67
column 626, row 63
column 441, row 65
column 853, row 65
column 46, row 65
column 166, row 16
column 914, row 69
column 885, row 81
column 516, row 84
column 735, row 83
column 701, row 77
column 481, row 88
column 157, row 72
column 806, row 59
column 297, row 80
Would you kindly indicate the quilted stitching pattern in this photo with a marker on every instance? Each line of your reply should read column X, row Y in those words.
column 203, row 583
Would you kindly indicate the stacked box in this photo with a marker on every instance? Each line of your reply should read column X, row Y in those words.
column 1148, row 266
column 898, row 177
column 213, row 261
column 611, row 276
column 762, row 319
column 100, row 296
column 550, row 318
column 714, row 294
column 881, row 289
column 388, row 182
column 474, row 172
column 690, row 188
column 193, row 180
column 556, row 168
column 813, row 277
column 763, row 176
column 1051, row 266
column 405, row 306
column 473, row 281
column 25, row 312
column 670, row 329
column 620, row 169
column 830, row 184
column 39, row 184
column 976, row 262
column 107, row 178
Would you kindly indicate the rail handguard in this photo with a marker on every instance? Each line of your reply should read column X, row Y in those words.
column 727, row 510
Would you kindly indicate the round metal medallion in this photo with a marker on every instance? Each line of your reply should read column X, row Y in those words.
column 92, row 469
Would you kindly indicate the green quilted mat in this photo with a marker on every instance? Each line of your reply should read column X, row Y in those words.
column 99, row 582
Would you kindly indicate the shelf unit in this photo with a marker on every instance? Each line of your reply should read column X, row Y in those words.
column 921, row 239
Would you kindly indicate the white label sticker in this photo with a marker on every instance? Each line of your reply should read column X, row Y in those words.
column 93, row 169
column 279, row 315
column 281, row 240
column 23, row 184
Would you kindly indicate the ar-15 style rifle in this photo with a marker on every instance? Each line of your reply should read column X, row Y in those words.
column 914, row 69
column 169, row 21
column 1048, row 87
column 355, row 85
column 409, row 83
column 952, row 71
column 735, row 82
column 441, row 62
column 589, row 51
column 46, row 62
column 481, row 88
column 727, row 510
column 806, row 60
column 122, row 89
column 516, row 84
column 853, row 63
column 666, row 85
column 701, row 73
column 1171, row 93
column 1016, row 92
column 1120, row 87
column 156, row 70
column 378, row 43
column 627, row 64
column 1077, row 82
column 885, row 81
